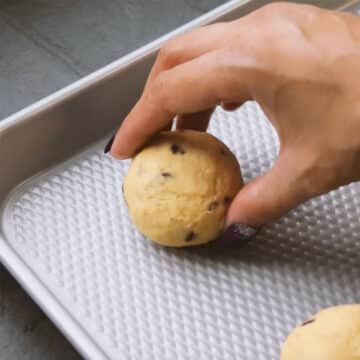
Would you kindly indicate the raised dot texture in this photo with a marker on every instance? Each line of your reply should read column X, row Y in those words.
column 138, row 300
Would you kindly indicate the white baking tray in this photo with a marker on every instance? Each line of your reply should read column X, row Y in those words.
column 66, row 236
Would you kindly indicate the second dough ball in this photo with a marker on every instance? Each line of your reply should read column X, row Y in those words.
column 333, row 334
column 178, row 189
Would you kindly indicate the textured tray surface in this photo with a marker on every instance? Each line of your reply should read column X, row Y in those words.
column 141, row 301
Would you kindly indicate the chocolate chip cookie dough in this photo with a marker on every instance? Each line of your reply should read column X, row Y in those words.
column 333, row 334
column 178, row 188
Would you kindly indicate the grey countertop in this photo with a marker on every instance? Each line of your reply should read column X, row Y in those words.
column 44, row 46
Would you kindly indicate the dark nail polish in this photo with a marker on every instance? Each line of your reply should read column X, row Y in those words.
column 109, row 144
column 237, row 234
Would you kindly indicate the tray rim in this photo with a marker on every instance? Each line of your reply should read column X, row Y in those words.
column 12, row 261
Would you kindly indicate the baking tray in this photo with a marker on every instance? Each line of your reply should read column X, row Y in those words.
column 66, row 237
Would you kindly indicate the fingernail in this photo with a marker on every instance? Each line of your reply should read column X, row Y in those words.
column 237, row 234
column 109, row 144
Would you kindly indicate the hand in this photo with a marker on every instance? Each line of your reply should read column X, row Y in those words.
column 300, row 63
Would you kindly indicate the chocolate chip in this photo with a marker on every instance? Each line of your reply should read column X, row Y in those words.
column 223, row 151
column 213, row 206
column 227, row 200
column 166, row 174
column 176, row 149
column 190, row 236
column 308, row 322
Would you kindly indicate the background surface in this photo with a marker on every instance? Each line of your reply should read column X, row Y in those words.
column 45, row 46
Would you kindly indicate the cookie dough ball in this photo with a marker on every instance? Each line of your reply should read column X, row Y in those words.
column 178, row 189
column 333, row 334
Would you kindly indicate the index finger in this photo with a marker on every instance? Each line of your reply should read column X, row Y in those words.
column 188, row 88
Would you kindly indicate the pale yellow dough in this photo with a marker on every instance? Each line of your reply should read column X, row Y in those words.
column 179, row 188
column 333, row 335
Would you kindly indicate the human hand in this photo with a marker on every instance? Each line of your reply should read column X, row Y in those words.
column 301, row 64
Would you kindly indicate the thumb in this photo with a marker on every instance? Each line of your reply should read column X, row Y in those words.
column 265, row 199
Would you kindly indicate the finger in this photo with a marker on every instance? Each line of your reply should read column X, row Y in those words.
column 188, row 88
column 265, row 199
column 182, row 49
column 189, row 46
column 197, row 121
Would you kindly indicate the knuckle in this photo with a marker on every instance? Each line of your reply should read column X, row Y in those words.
column 170, row 54
column 157, row 93
column 290, row 11
column 222, row 58
column 225, row 62
column 277, row 8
